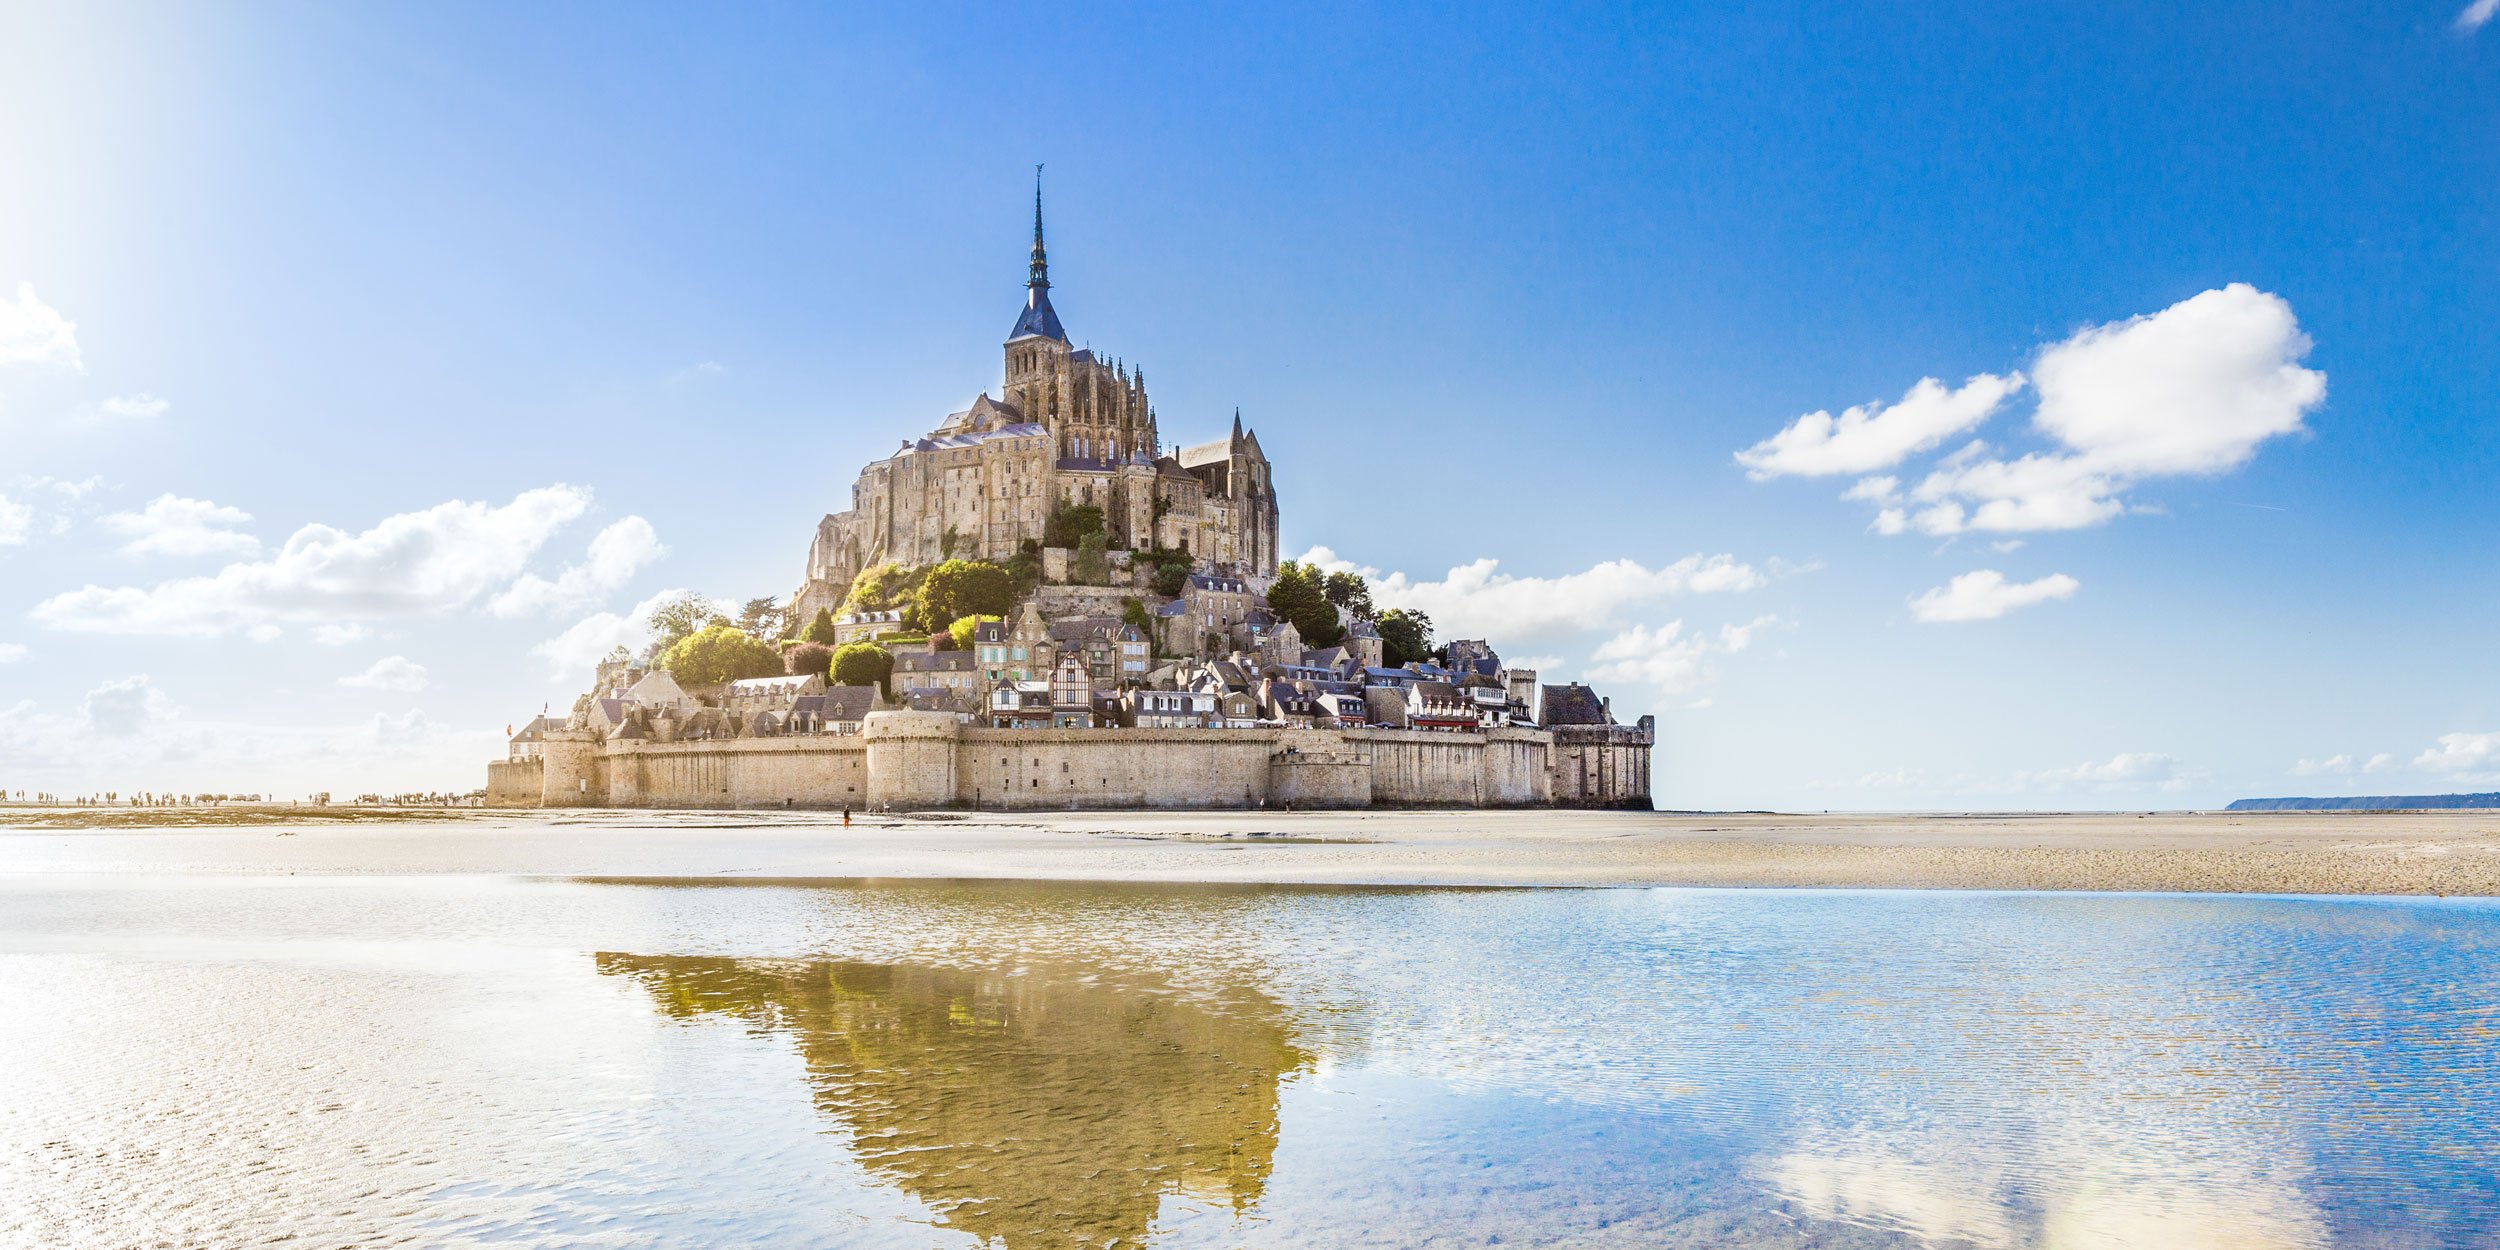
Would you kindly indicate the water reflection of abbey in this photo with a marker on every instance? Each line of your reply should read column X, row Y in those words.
column 1036, row 1111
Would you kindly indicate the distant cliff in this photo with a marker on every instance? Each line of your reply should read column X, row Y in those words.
column 2366, row 803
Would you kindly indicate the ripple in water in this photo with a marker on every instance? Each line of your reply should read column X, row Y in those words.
column 204, row 1061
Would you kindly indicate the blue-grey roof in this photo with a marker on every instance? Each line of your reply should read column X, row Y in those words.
column 1021, row 429
column 1039, row 318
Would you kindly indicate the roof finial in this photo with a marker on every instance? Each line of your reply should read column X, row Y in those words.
column 1040, row 279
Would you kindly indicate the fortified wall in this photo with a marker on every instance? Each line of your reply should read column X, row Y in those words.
column 924, row 760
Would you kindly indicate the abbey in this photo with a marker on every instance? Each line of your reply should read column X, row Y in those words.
column 1141, row 644
column 1070, row 429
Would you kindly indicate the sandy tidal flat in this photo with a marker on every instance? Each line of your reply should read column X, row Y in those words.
column 2447, row 853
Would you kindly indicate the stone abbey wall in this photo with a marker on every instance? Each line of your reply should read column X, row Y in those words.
column 922, row 760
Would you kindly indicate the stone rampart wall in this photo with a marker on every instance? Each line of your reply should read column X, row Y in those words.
column 514, row 783
column 1066, row 768
column 908, row 760
column 800, row 771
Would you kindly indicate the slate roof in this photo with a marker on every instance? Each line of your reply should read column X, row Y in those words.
column 837, row 704
column 933, row 662
column 537, row 729
column 1039, row 319
column 930, row 700
column 746, row 687
column 1574, row 704
column 1218, row 585
column 943, row 442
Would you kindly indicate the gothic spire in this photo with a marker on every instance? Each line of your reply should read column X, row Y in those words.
column 1040, row 275
column 1038, row 318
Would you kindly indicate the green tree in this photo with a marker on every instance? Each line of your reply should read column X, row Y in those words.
column 960, row 588
column 1299, row 595
column 1405, row 636
column 677, row 619
column 819, row 628
column 1068, row 526
column 881, row 586
column 1172, row 576
column 1026, row 567
column 808, row 658
column 863, row 664
column 1133, row 612
column 720, row 652
column 960, row 633
column 1090, row 567
column 1349, row 593
column 762, row 617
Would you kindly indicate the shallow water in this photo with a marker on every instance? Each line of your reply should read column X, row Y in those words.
column 456, row 1061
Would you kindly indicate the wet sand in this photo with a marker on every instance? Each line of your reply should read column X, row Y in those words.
column 2448, row 853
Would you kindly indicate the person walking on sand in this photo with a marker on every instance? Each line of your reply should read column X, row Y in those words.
column 846, row 816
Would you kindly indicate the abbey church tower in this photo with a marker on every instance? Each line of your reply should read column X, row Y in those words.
column 1070, row 429
column 1096, row 410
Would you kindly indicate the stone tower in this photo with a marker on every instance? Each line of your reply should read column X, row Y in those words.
column 1037, row 348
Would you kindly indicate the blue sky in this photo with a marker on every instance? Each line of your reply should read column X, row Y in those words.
column 1505, row 284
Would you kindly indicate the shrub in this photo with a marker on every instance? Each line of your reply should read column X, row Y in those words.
column 1068, row 526
column 960, row 633
column 863, row 664
column 819, row 628
column 960, row 588
column 808, row 658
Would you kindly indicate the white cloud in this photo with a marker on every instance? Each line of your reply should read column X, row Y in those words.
column 441, row 559
column 2476, row 15
column 2130, row 768
column 174, row 526
column 616, row 554
column 2462, row 753
column 129, row 735
column 1478, row 601
column 139, row 407
column 391, row 672
column 2331, row 766
column 572, row 654
column 2192, row 390
column 1985, row 595
column 340, row 635
column 1877, row 436
column 1667, row 658
column 35, row 333
column 12, row 652
column 67, row 489
column 2379, row 763
column 17, row 520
